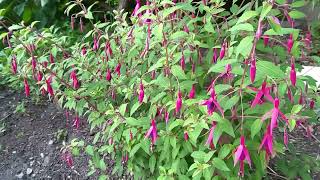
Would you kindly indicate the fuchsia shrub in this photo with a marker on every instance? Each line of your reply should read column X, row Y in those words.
column 184, row 90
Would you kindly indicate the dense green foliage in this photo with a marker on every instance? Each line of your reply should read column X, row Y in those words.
column 173, row 93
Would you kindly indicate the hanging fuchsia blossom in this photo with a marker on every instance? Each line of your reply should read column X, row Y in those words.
column 14, row 65
column 73, row 77
column 108, row 75
column 275, row 113
column 265, row 40
column 186, row 135
column 117, row 69
column 179, row 102
column 311, row 104
column 51, row 58
column 301, row 98
column 290, row 43
column 108, row 49
column 210, row 136
column 26, row 87
column 192, row 92
column 49, row 87
column 215, row 56
column 212, row 103
column 182, row 62
column 76, row 122
column 39, row 76
column 72, row 23
column 33, row 63
column 166, row 116
column 83, row 50
column 67, row 157
column 293, row 75
column 253, row 69
column 222, row 51
column 241, row 154
column 81, row 25
column 186, row 29
column 267, row 142
column 141, row 93
column 95, row 43
column 264, row 91
column 152, row 132
column 153, row 74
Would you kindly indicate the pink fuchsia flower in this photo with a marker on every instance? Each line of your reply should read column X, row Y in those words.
column 186, row 29
column 72, row 23
column 76, row 122
column 108, row 75
column 212, row 103
column 95, row 43
column 274, row 116
column 210, row 136
column 131, row 135
column 253, row 69
column 182, row 62
column 215, row 56
column 265, row 40
column 166, row 116
column 108, row 49
column 39, row 76
column 267, row 142
column 192, row 92
column 289, row 94
column 186, row 136
column 49, row 87
column 14, row 65
column 26, row 87
column 81, row 25
column 67, row 157
column 51, row 58
column 179, row 102
column 223, row 50
column 290, row 43
column 264, row 91
column 152, row 132
column 301, row 99
column 117, row 69
column 141, row 93
column 153, row 74
column 311, row 104
column 83, row 50
column 33, row 63
column 293, row 75
column 241, row 154
column 73, row 77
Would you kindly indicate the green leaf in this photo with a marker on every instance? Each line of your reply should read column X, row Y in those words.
column 88, row 15
column 220, row 164
column 134, row 108
column 170, row 10
column 152, row 163
column 296, row 14
column 220, row 66
column 102, row 165
column 256, row 127
column 44, row 2
column 158, row 97
column 219, row 88
column 134, row 150
column 246, row 16
column 202, row 156
column 231, row 102
column 103, row 177
column 292, row 124
column 242, row 27
column 138, row 122
column 245, row 46
column 268, row 68
column 224, row 151
column 296, row 109
column 274, row 24
column 175, row 123
column 122, row 109
column 179, row 35
column 265, row 10
column 178, row 72
column 89, row 150
column 297, row 4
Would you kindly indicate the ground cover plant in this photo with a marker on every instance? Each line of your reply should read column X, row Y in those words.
column 174, row 89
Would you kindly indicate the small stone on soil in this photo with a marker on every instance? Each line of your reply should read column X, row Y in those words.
column 46, row 161
column 20, row 175
column 50, row 142
column 14, row 152
column 42, row 155
column 29, row 171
